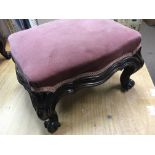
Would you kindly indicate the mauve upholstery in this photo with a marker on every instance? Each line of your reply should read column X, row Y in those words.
column 62, row 49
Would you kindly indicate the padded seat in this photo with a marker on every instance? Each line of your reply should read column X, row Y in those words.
column 60, row 51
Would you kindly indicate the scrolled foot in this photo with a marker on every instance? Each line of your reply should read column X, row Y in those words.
column 128, row 85
column 7, row 56
column 51, row 126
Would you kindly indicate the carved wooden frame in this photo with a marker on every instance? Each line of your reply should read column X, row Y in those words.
column 44, row 103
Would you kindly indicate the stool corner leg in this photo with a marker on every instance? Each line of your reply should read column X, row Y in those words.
column 44, row 104
column 136, row 62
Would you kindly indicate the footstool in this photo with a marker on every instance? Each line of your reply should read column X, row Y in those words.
column 63, row 56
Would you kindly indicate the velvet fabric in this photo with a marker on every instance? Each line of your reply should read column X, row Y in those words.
column 63, row 49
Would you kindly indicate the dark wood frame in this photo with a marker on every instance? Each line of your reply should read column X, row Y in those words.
column 45, row 102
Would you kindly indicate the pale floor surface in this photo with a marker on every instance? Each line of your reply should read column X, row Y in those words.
column 100, row 110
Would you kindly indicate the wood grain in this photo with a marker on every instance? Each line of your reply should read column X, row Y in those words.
column 100, row 110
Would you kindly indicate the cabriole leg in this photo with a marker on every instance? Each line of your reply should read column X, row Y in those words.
column 2, row 50
column 126, row 82
column 44, row 103
column 136, row 62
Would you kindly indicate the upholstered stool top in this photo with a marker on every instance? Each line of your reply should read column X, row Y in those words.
column 60, row 51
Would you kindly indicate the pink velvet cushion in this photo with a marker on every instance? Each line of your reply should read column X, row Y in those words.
column 59, row 50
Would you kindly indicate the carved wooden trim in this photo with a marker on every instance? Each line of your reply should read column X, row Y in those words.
column 45, row 102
